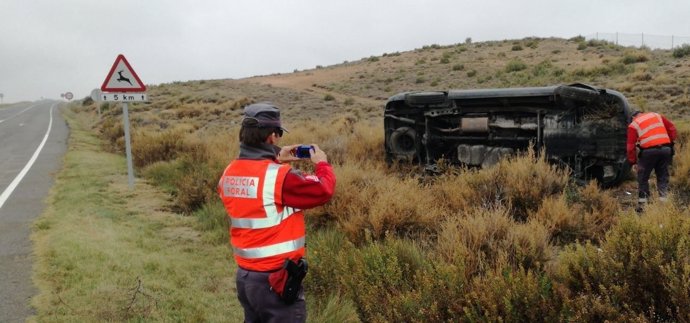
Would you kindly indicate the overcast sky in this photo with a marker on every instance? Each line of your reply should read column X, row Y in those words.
column 48, row 47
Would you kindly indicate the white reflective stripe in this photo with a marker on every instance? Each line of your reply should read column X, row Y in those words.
column 650, row 138
column 642, row 200
column 650, row 127
column 273, row 217
column 268, row 251
column 646, row 116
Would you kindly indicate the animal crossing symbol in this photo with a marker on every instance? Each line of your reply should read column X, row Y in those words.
column 122, row 78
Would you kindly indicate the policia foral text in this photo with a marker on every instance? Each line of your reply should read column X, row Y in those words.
column 264, row 198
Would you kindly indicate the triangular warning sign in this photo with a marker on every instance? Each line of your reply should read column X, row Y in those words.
column 122, row 78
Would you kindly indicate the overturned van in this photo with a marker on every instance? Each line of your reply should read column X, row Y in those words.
column 578, row 126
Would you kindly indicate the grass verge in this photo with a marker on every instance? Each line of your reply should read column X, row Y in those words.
column 105, row 253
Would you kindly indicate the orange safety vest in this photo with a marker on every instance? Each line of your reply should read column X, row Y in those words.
column 650, row 130
column 263, row 232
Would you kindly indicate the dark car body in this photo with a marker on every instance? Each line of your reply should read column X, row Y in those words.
column 578, row 126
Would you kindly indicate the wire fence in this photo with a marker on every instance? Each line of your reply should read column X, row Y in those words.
column 642, row 39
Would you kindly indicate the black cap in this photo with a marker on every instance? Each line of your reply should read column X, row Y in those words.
column 266, row 115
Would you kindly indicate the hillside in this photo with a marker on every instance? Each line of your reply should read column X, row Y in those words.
column 653, row 80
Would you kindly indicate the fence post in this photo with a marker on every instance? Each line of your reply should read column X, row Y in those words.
column 671, row 41
column 616, row 38
column 642, row 40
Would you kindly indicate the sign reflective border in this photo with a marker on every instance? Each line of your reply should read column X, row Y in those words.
column 124, row 97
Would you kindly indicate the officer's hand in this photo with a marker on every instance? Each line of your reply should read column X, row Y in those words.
column 286, row 154
column 318, row 155
column 634, row 168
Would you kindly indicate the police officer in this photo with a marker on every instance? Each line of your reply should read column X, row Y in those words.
column 264, row 198
column 654, row 135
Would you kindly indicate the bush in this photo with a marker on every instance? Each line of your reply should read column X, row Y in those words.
column 634, row 57
column 640, row 270
column 150, row 147
column 585, row 215
column 458, row 67
column 516, row 48
column 515, row 65
column 329, row 97
column 471, row 73
column 514, row 296
column 681, row 51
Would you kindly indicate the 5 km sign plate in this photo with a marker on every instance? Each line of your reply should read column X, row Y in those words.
column 124, row 97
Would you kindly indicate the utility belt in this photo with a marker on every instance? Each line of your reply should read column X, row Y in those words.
column 658, row 146
column 287, row 281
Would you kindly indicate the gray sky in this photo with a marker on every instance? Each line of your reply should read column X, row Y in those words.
column 48, row 47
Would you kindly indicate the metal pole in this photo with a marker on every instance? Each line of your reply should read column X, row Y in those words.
column 616, row 38
column 128, row 147
column 642, row 40
column 671, row 41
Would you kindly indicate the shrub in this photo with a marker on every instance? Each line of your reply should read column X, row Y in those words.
column 542, row 69
column 634, row 57
column 481, row 240
column 458, row 67
column 328, row 97
column 577, row 39
column 516, row 47
column 419, row 80
column 681, row 51
column 640, row 270
column 585, row 216
column 581, row 46
column 471, row 73
column 506, row 295
column 515, row 65
column 150, row 147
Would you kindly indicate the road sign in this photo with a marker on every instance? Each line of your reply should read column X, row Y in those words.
column 69, row 95
column 122, row 78
column 124, row 97
column 96, row 95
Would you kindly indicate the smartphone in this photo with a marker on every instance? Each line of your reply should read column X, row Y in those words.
column 303, row 151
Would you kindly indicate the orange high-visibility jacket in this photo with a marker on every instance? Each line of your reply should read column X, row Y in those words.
column 650, row 130
column 263, row 232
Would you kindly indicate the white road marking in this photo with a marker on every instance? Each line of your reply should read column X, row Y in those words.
column 20, row 112
column 8, row 191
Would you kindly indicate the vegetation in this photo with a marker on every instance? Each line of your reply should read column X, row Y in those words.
column 515, row 242
column 681, row 51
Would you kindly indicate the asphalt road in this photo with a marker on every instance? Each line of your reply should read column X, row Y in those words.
column 33, row 140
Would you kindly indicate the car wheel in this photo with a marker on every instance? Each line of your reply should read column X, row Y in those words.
column 425, row 98
column 403, row 142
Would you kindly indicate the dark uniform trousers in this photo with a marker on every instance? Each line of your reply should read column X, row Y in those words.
column 659, row 160
column 262, row 305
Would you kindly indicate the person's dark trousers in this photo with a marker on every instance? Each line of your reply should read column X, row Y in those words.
column 657, row 159
column 262, row 305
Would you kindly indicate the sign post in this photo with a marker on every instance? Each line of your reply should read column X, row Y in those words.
column 124, row 87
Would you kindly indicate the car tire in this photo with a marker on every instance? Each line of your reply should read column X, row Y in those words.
column 402, row 142
column 425, row 98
